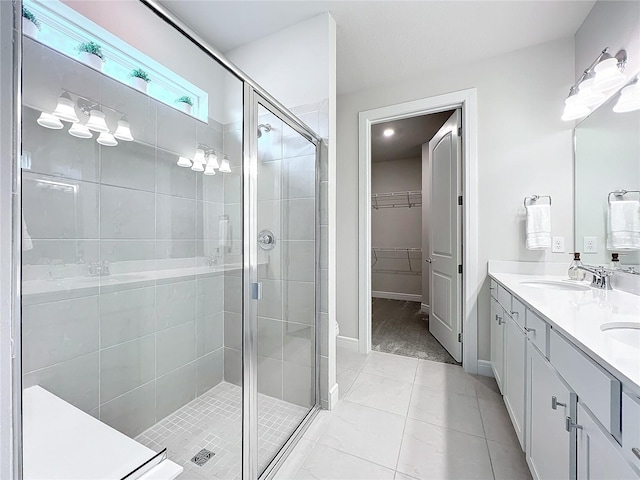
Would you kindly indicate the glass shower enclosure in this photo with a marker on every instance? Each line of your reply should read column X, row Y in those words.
column 170, row 254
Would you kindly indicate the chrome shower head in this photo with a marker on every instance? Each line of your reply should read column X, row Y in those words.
column 263, row 126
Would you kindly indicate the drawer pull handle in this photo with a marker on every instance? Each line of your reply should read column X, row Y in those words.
column 530, row 329
column 500, row 320
column 636, row 451
column 515, row 314
column 569, row 425
column 555, row 403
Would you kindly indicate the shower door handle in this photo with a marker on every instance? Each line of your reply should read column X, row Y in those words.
column 256, row 291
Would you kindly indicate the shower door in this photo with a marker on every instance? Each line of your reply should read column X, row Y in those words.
column 283, row 241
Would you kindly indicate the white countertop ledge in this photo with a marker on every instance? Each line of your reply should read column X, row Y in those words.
column 578, row 315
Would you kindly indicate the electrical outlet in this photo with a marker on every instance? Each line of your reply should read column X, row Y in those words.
column 557, row 245
column 590, row 245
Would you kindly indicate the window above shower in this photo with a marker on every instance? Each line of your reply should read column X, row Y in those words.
column 65, row 30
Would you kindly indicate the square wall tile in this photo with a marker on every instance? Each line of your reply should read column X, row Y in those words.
column 210, row 371
column 133, row 412
column 126, row 214
column 211, row 294
column 129, row 165
column 299, row 219
column 300, row 302
column 175, row 218
column 209, row 333
column 127, row 314
column 299, row 177
column 176, row 346
column 175, row 390
column 176, row 303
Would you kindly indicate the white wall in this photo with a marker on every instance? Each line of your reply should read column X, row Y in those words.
column 523, row 148
column 613, row 24
column 293, row 64
column 396, row 227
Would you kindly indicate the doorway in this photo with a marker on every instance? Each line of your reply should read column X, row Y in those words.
column 407, row 253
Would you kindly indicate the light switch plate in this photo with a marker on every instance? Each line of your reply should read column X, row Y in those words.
column 557, row 245
column 590, row 245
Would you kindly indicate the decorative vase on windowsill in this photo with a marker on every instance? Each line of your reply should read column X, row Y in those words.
column 30, row 24
column 139, row 79
column 90, row 54
column 185, row 104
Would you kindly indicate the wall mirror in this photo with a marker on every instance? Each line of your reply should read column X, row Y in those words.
column 606, row 165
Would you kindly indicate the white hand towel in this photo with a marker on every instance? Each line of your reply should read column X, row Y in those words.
column 224, row 240
column 538, row 227
column 623, row 232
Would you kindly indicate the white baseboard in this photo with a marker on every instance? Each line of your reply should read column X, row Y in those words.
column 484, row 368
column 333, row 398
column 347, row 343
column 409, row 297
column 424, row 308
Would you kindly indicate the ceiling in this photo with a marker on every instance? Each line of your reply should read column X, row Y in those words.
column 383, row 41
column 410, row 134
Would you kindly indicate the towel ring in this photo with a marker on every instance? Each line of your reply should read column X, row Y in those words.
column 620, row 193
column 535, row 198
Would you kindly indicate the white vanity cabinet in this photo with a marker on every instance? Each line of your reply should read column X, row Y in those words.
column 599, row 456
column 497, row 342
column 549, row 444
column 515, row 343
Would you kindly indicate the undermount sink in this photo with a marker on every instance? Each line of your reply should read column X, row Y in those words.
column 624, row 332
column 551, row 285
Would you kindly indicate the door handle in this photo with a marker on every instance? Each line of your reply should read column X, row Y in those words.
column 429, row 260
column 530, row 329
column 500, row 321
column 256, row 291
column 569, row 425
column 555, row 403
column 636, row 451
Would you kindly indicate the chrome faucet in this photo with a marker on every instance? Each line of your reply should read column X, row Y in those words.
column 601, row 277
column 99, row 269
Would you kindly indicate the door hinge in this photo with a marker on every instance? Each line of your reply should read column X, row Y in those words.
column 459, row 131
column 460, row 337
column 459, row 268
column 459, row 199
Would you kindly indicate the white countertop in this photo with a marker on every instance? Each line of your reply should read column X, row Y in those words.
column 578, row 315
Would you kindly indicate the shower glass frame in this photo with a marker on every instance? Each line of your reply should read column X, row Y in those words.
column 253, row 96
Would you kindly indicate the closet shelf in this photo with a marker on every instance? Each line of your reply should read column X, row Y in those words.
column 396, row 200
column 403, row 261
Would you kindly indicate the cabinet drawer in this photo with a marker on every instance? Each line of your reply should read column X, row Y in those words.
column 537, row 332
column 595, row 387
column 518, row 312
column 631, row 428
column 493, row 288
column 504, row 298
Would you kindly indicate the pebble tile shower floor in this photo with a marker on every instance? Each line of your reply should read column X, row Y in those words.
column 213, row 421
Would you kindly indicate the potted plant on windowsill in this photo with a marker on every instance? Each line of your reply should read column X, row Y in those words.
column 185, row 103
column 30, row 24
column 91, row 54
column 139, row 79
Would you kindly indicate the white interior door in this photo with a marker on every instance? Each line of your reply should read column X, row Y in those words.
column 445, row 236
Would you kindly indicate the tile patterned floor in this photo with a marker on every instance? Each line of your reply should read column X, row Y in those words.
column 402, row 418
column 214, row 421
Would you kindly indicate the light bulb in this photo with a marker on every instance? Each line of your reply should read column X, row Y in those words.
column 608, row 75
column 224, row 166
column 106, row 139
column 388, row 132
column 199, row 157
column 47, row 120
column 197, row 167
column 123, row 132
column 209, row 170
column 97, row 122
column 629, row 99
column 573, row 112
column 80, row 131
column 184, row 162
column 213, row 160
column 66, row 109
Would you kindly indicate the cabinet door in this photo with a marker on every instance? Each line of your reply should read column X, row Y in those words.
column 548, row 442
column 497, row 342
column 599, row 456
column 514, row 375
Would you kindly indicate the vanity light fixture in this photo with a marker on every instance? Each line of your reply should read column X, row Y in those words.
column 123, row 132
column 97, row 122
column 80, row 131
column 197, row 167
column 592, row 88
column 199, row 157
column 184, row 162
column 47, row 120
column 209, row 170
column 224, row 165
column 106, row 139
column 66, row 109
column 629, row 98
column 212, row 160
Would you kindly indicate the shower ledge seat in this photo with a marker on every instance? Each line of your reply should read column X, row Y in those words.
column 62, row 442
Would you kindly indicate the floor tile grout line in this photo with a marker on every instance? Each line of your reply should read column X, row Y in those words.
column 486, row 440
column 404, row 427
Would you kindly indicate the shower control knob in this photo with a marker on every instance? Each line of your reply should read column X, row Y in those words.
column 266, row 239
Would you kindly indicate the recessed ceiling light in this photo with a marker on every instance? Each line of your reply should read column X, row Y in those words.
column 388, row 132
